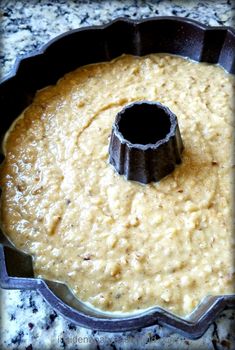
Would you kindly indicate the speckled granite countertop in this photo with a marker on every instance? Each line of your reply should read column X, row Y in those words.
column 27, row 322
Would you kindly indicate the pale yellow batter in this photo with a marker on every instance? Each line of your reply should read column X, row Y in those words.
column 120, row 245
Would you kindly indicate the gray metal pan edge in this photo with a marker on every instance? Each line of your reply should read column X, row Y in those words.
column 45, row 66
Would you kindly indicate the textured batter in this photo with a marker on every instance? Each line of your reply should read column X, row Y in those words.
column 120, row 245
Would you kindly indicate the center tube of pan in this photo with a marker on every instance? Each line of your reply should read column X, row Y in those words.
column 145, row 142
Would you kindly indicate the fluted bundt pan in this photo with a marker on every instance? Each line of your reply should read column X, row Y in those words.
column 44, row 67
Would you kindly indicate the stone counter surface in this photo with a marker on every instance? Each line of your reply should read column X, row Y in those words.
column 27, row 321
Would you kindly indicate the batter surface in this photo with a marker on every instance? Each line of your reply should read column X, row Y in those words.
column 120, row 245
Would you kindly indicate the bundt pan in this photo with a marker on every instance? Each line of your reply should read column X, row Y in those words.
column 44, row 67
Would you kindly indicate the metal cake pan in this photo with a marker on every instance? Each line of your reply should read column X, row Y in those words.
column 44, row 67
